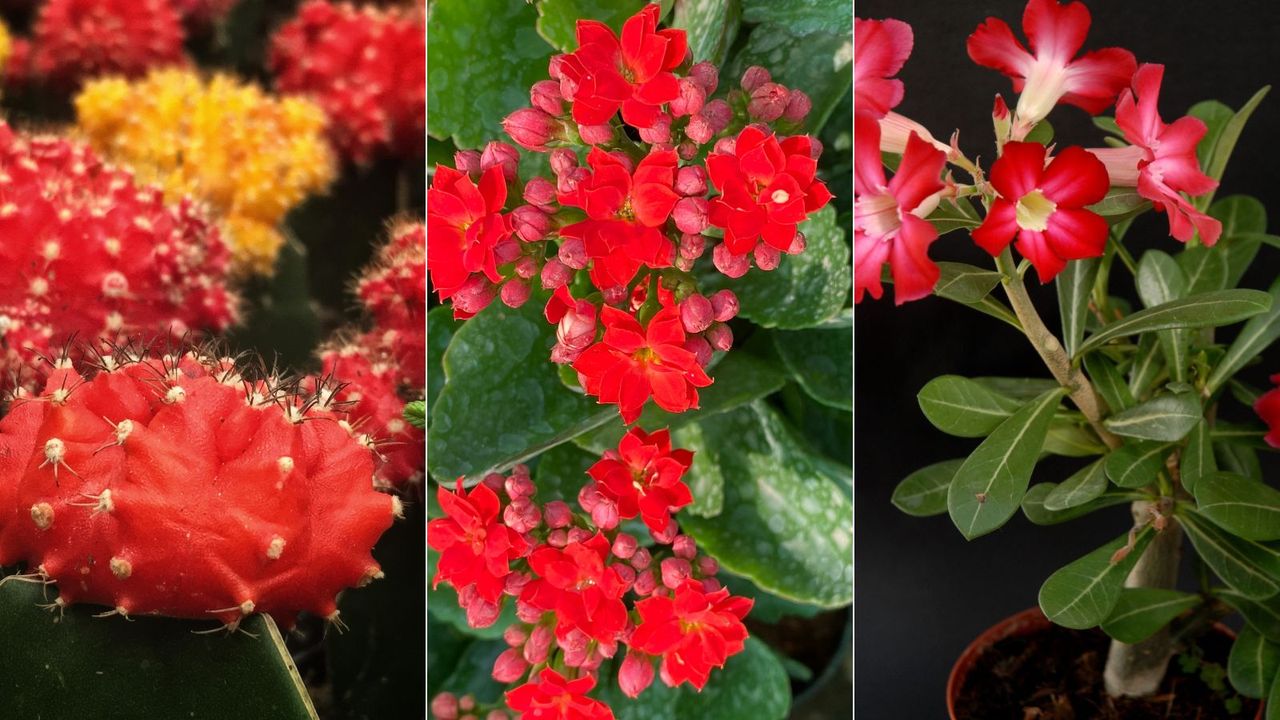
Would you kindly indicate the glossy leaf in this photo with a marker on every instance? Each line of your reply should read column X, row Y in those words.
column 1257, row 335
column 1146, row 366
column 1242, row 506
column 1166, row 418
column 1253, row 663
column 1033, row 505
column 1251, row 568
column 1120, row 204
column 818, row 359
column 1141, row 612
column 964, row 283
column 440, row 329
column 1238, row 458
column 1197, row 457
column 954, row 214
column 989, row 486
column 711, row 25
column 1075, row 284
column 813, row 56
column 1108, row 382
column 1215, row 115
column 924, row 492
column 1230, row 135
column 558, row 19
column 1072, row 439
column 1085, row 592
column 1136, row 465
column 1160, row 280
column 962, row 407
column 1205, row 269
column 1084, row 486
column 801, row 15
column 1243, row 218
column 1207, row 310
column 1263, row 614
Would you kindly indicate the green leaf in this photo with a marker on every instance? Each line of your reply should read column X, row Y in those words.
column 440, row 329
column 1226, row 142
column 801, row 15
column 482, row 58
column 1141, row 612
column 711, row 25
column 1085, row 592
column 1238, row 458
column 443, row 652
column 502, row 401
column 472, row 675
column 1253, row 663
column 1243, row 218
column 1146, row 367
column 1197, row 457
column 1075, row 284
column 1120, row 204
column 558, row 19
column 1108, row 381
column 1069, row 438
column 787, row 521
column 818, row 359
column 989, row 486
column 1020, row 389
column 1207, row 310
column 1160, row 280
column 964, row 283
column 1033, row 505
column 1084, row 486
column 1107, row 124
column 74, row 665
column 1263, row 615
column 1215, row 115
column 813, row 57
column 1205, row 268
column 955, row 214
column 1249, row 567
column 962, row 407
column 1166, row 418
column 1257, row 335
column 415, row 413
column 1136, row 465
column 806, row 289
column 923, row 493
column 998, row 310
column 1242, row 506
column 1273, row 702
column 768, row 608
column 1042, row 133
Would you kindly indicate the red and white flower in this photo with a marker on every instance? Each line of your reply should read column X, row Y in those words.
column 881, row 47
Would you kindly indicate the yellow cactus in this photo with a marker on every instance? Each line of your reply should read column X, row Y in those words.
column 251, row 155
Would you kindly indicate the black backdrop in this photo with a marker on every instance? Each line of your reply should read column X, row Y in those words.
column 923, row 592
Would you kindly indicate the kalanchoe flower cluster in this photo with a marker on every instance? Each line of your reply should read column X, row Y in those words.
column 90, row 253
column 175, row 484
column 1045, row 197
column 576, row 578
column 382, row 367
column 252, row 156
column 366, row 67
column 615, row 232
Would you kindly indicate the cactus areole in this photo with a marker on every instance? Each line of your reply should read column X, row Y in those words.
column 174, row 485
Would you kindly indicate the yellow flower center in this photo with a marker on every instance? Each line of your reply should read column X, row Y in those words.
column 1033, row 211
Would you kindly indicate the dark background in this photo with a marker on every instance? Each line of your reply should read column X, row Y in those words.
column 923, row 592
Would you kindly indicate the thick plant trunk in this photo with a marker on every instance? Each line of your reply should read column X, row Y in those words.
column 1137, row 670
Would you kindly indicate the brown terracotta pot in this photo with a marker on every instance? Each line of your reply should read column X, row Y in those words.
column 1024, row 623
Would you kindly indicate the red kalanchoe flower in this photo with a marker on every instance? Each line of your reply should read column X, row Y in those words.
column 694, row 631
column 575, row 322
column 466, row 223
column 475, row 547
column 604, row 74
column 1162, row 158
column 643, row 477
column 583, row 592
column 888, row 216
column 1267, row 407
column 74, row 40
column 766, row 189
column 626, row 212
column 881, row 47
column 552, row 697
column 633, row 363
column 1044, row 207
column 1048, row 73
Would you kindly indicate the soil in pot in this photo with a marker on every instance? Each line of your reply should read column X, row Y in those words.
column 1056, row 674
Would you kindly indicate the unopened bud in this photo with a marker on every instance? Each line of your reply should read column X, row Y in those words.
column 475, row 294
column 595, row 134
column 558, row 538
column 691, row 214
column 506, row 251
column 557, row 514
column 624, row 546
column 573, row 253
column 797, row 244
column 699, row 129
column 555, row 274
column 707, row 565
column 706, row 75
column 626, row 573
column 798, row 107
column 545, row 95
column 720, row 337
column 530, row 614
column 646, row 582
column 531, row 223
column 540, row 191
column 687, row 150
column 700, row 348
column 579, row 535
column 515, row 292
column 532, row 129
column 641, row 558
column 692, row 246
column 768, row 102
column 684, row 547
column 691, row 180
column 658, row 132
column 467, row 161
column 510, row 666
column 526, row 267
column 635, row 674
column 605, row 514
column 481, row 613
column 696, row 313
column 675, row 571
column 754, row 77
column 519, row 486
column 539, row 644
column 515, row 635
column 718, row 115
column 503, row 155
column 563, row 160
column 666, row 535
column 444, row 706
column 734, row 266
column 724, row 305
column 615, row 295
column 690, row 100
column 767, row 256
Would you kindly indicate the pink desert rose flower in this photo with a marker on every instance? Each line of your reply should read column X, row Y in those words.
column 881, row 47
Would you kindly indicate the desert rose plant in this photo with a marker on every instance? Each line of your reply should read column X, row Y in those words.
column 609, row 258
column 1144, row 393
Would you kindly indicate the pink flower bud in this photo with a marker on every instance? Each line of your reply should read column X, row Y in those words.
column 692, row 246
column 696, row 313
column 575, row 645
column 515, row 293
column 555, row 274
column 579, row 535
column 531, row 223
column 481, row 613
column 691, row 99
column 545, row 95
column 675, row 571
column 626, row 574
column 754, row 77
column 605, row 515
column 659, row 131
column 797, row 244
column 595, row 134
column 706, row 75
column 700, row 348
column 519, row 486
column 528, row 613
column 540, row 191
column 497, row 715
column 767, row 256
column 554, row 66
column 999, row 110
column 718, row 115
column 574, row 333
column 506, row 251
column 532, row 129
column 684, row 547
column 699, row 129
column 494, row 481
column 557, row 514
column 798, row 107
column 589, row 496
column 720, row 337
column 510, row 666
column 573, row 253
column 768, row 102
column 734, row 266
column 725, row 146
column 724, row 305
column 707, row 565
column 690, row 214
column 515, row 582
column 687, row 150
column 615, row 295
column 646, row 582
column 474, row 295
column 624, row 546
column 691, row 180
column 635, row 674
column 467, row 161
column 563, row 160
column 710, row 585
column 539, row 644
column 444, row 706
column 467, row 703
column 503, row 155
column 515, row 635
column 526, row 267
column 641, row 558
column 558, row 538
column 666, row 535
